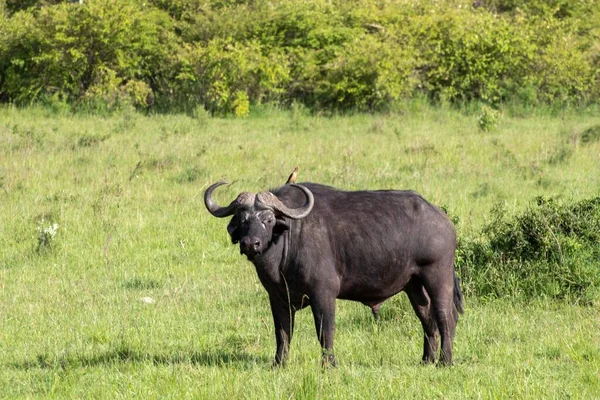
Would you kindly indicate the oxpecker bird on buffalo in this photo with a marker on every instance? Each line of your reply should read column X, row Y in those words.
column 312, row 244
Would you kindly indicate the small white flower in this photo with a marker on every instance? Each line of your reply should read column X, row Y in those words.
column 148, row 300
column 51, row 230
column 46, row 235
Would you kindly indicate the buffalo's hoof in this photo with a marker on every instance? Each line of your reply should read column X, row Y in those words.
column 328, row 361
column 277, row 363
column 444, row 363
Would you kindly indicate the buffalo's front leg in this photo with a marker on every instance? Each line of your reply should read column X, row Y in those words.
column 323, row 308
column 283, row 317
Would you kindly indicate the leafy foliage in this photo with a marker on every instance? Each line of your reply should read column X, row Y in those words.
column 488, row 118
column 549, row 250
column 328, row 55
column 105, row 51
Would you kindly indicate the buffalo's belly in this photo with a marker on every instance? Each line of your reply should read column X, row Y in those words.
column 373, row 284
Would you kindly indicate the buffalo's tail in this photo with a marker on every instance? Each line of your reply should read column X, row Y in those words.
column 458, row 296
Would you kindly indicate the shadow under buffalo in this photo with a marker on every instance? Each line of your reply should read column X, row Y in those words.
column 210, row 358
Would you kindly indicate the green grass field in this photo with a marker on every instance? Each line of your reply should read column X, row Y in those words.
column 126, row 194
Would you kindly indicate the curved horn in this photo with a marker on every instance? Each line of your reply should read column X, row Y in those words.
column 213, row 207
column 270, row 200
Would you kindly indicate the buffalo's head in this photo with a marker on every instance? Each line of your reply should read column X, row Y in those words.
column 258, row 219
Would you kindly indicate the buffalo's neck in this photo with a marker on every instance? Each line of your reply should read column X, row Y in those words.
column 269, row 265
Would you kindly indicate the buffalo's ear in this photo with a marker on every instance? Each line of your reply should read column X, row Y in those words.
column 281, row 225
column 233, row 230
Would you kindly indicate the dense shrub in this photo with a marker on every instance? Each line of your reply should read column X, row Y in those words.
column 218, row 74
column 466, row 58
column 224, row 55
column 555, row 8
column 550, row 250
column 104, row 52
column 365, row 73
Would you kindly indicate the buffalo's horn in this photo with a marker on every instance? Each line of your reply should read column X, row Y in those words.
column 221, row 212
column 272, row 201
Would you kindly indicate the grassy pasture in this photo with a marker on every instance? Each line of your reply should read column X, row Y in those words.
column 126, row 195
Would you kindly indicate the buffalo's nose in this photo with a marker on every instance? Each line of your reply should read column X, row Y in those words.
column 250, row 245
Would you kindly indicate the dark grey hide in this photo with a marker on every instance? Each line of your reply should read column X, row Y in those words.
column 312, row 244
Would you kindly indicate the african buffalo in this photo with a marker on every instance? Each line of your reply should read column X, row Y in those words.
column 312, row 243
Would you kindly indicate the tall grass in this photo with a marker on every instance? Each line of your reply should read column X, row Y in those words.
column 115, row 282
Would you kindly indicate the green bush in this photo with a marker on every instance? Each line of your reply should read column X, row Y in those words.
column 88, row 53
column 214, row 75
column 327, row 55
column 554, row 8
column 488, row 118
column 550, row 250
column 468, row 56
column 364, row 73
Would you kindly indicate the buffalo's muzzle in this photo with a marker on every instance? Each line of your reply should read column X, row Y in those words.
column 250, row 246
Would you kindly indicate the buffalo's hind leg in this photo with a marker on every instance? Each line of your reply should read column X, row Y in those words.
column 439, row 285
column 422, row 305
